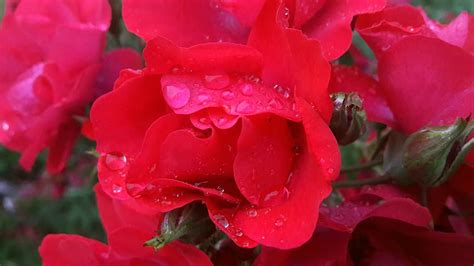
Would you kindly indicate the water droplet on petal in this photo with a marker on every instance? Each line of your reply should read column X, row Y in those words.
column 276, row 103
column 152, row 169
column 245, row 107
column 252, row 213
column 254, row 79
column 239, row 233
column 279, row 222
column 177, row 96
column 115, row 161
column 202, row 99
column 217, row 82
column 205, row 120
column 246, row 89
column 228, row 95
column 5, row 126
column 220, row 189
column 330, row 171
column 116, row 189
column 275, row 197
column 221, row 220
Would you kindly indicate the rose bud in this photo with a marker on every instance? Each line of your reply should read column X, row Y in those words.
column 190, row 224
column 428, row 156
column 348, row 121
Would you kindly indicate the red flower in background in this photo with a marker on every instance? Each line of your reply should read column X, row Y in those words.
column 50, row 54
column 242, row 128
column 425, row 78
column 192, row 22
column 421, row 87
column 127, row 230
column 375, row 227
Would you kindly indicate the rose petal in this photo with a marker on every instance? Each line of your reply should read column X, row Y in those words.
column 264, row 159
column 443, row 80
column 184, row 22
column 74, row 250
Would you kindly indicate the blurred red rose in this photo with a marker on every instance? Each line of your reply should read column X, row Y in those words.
column 242, row 128
column 425, row 69
column 50, row 54
column 192, row 22
column 127, row 230
column 375, row 228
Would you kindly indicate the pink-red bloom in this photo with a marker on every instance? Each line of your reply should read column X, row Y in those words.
column 127, row 231
column 50, row 54
column 193, row 22
column 241, row 128
column 425, row 70
column 375, row 227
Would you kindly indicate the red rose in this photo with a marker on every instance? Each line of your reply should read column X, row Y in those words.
column 383, row 29
column 374, row 228
column 50, row 54
column 192, row 22
column 422, row 87
column 127, row 230
column 442, row 74
column 241, row 128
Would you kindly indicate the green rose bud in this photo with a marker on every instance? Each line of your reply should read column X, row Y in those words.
column 429, row 156
column 190, row 224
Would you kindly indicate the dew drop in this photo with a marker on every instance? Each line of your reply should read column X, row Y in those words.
column 286, row 13
column 252, row 213
column 204, row 120
column 202, row 99
column 220, row 189
column 279, row 222
column 270, row 196
column 222, row 220
column 115, row 161
column 276, row 103
column 152, row 169
column 5, row 126
column 254, row 79
column 411, row 29
column 217, row 82
column 246, row 89
column 283, row 91
column 228, row 95
column 177, row 96
column 330, row 171
column 116, row 189
column 245, row 107
column 239, row 233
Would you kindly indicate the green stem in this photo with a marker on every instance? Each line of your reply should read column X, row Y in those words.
column 382, row 140
column 363, row 166
column 361, row 182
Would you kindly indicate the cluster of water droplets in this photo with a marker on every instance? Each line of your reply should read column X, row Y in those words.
column 117, row 164
column 236, row 95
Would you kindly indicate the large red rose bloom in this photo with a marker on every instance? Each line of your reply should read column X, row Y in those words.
column 241, row 128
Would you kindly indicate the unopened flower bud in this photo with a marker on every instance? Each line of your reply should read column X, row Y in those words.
column 189, row 224
column 429, row 156
column 348, row 121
